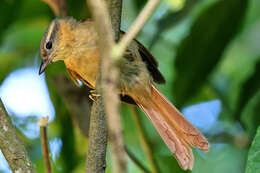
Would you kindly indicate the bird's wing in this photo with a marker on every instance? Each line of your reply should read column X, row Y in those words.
column 150, row 61
column 75, row 77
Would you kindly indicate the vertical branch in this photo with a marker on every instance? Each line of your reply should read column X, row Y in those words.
column 11, row 146
column 109, row 75
column 96, row 157
column 45, row 145
column 115, row 11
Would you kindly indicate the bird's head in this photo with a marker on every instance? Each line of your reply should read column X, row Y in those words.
column 55, row 42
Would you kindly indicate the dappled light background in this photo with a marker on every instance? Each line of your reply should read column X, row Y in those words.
column 208, row 51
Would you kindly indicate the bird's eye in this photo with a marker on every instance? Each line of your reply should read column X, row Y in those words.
column 49, row 45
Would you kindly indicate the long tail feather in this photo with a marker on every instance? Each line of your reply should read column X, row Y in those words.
column 178, row 147
column 177, row 133
column 193, row 135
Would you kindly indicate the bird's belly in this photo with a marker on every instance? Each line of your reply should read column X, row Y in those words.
column 133, row 77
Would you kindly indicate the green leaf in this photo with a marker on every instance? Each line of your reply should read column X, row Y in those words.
column 250, row 118
column 253, row 162
column 249, row 88
column 199, row 53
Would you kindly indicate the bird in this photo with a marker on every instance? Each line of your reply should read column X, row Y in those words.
column 76, row 43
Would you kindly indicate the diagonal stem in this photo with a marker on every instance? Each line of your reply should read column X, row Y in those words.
column 11, row 146
column 135, row 28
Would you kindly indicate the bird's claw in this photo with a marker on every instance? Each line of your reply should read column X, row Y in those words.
column 93, row 95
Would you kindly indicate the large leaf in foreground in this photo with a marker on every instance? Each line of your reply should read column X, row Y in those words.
column 253, row 162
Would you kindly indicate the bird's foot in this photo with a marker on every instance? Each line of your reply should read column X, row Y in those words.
column 93, row 95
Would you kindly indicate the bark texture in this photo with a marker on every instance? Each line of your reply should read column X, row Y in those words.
column 11, row 146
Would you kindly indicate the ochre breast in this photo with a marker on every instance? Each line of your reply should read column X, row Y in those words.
column 86, row 66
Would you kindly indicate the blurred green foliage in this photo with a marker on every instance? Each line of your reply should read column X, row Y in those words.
column 249, row 89
column 209, row 49
column 7, row 8
column 201, row 50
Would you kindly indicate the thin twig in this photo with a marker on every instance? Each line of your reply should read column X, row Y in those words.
column 43, row 122
column 136, row 161
column 11, row 146
column 109, row 76
column 144, row 141
column 138, row 24
column 59, row 7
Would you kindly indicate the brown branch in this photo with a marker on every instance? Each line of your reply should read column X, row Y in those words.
column 11, row 146
column 59, row 7
column 144, row 141
column 109, row 76
column 43, row 122
column 96, row 157
column 115, row 10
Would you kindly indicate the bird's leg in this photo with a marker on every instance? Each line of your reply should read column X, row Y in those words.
column 93, row 94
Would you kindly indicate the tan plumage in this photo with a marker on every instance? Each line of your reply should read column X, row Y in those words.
column 76, row 44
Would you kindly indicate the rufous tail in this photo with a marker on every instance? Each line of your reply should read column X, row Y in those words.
column 176, row 131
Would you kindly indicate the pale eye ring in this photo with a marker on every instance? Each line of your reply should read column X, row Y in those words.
column 48, row 45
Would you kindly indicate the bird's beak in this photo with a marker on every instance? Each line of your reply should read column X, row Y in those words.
column 44, row 65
